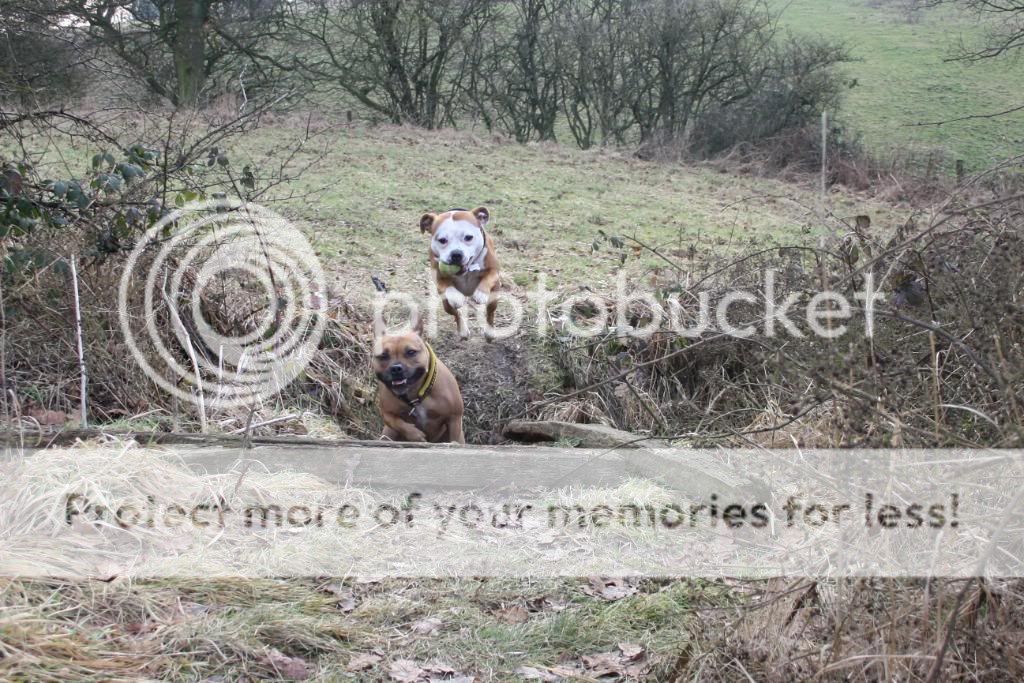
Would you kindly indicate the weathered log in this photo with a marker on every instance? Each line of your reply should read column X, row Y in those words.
column 694, row 472
column 583, row 435
column 426, row 467
column 34, row 438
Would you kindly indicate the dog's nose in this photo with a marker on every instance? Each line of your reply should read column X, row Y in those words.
column 455, row 257
column 397, row 370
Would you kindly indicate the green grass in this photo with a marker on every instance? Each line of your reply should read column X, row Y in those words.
column 903, row 78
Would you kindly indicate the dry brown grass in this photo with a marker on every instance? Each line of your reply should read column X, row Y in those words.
column 862, row 630
column 943, row 368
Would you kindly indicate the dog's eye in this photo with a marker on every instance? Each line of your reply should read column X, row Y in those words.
column 411, row 352
column 468, row 238
column 382, row 356
column 442, row 240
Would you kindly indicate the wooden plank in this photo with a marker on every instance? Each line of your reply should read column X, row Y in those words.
column 65, row 437
column 429, row 469
column 432, row 467
column 586, row 435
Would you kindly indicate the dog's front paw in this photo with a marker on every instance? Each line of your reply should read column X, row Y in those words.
column 454, row 297
column 480, row 297
column 414, row 435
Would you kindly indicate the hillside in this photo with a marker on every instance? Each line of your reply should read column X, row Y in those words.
column 903, row 78
column 548, row 203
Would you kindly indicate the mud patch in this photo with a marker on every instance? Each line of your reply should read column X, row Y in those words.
column 495, row 378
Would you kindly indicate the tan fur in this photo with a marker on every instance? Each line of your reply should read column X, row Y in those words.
column 439, row 417
column 485, row 281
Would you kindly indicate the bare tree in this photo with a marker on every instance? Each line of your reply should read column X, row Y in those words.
column 528, row 89
column 395, row 58
column 36, row 62
column 1004, row 20
column 1004, row 36
column 596, row 79
column 693, row 77
column 181, row 50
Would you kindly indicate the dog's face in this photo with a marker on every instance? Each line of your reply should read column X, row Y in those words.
column 399, row 360
column 457, row 237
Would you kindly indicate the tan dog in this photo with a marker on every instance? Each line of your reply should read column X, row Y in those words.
column 418, row 396
column 464, row 263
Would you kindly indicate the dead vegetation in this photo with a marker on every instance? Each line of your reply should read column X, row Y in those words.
column 943, row 367
column 913, row 177
column 862, row 630
column 380, row 630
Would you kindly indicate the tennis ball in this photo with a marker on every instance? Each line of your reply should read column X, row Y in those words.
column 448, row 269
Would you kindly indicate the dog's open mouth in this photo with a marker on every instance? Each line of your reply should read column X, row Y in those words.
column 399, row 384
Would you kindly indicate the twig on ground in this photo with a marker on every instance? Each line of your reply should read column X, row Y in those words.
column 247, row 429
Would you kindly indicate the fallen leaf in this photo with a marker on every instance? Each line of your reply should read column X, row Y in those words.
column 637, row 671
column 602, row 664
column 547, row 603
column 346, row 598
column 193, row 609
column 290, row 668
column 361, row 662
column 631, row 651
column 533, row 674
column 405, row 671
column 427, row 627
column 609, row 589
column 565, row 672
column 347, row 603
column 454, row 679
column 512, row 615
column 439, row 669
column 617, row 592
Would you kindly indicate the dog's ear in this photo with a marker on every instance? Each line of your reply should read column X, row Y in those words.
column 482, row 215
column 427, row 222
column 416, row 321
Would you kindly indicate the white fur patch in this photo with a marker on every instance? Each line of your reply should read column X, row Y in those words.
column 454, row 297
column 451, row 236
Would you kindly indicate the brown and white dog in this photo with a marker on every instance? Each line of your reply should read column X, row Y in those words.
column 418, row 396
column 464, row 262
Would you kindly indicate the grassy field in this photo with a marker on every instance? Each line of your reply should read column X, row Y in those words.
column 548, row 205
column 903, row 78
